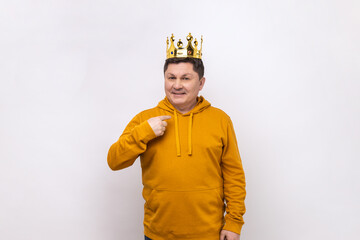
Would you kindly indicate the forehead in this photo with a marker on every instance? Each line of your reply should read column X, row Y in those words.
column 180, row 68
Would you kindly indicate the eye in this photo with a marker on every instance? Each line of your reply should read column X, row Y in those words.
column 186, row 78
column 172, row 78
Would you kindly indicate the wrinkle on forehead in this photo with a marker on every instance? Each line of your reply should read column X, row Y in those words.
column 183, row 75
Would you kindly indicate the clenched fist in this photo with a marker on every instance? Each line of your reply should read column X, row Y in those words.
column 158, row 124
column 227, row 235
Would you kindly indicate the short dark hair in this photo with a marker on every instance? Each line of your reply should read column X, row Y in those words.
column 198, row 65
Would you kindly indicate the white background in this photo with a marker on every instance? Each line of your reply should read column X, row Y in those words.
column 73, row 74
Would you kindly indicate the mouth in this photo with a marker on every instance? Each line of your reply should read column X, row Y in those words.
column 177, row 94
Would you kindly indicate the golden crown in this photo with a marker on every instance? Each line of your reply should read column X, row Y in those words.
column 181, row 52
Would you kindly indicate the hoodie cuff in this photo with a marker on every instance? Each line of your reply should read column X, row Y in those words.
column 143, row 132
column 233, row 226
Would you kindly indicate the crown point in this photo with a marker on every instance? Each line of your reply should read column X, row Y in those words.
column 180, row 44
column 189, row 37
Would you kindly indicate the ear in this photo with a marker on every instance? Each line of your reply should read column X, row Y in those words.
column 202, row 83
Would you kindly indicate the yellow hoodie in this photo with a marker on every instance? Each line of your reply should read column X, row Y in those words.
column 187, row 173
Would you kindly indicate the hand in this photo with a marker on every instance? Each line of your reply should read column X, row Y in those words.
column 228, row 235
column 158, row 124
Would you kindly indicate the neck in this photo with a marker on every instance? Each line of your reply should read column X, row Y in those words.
column 186, row 109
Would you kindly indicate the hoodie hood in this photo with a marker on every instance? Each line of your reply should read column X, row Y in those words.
column 200, row 106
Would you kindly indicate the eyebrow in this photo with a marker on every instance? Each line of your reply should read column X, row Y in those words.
column 187, row 74
column 184, row 75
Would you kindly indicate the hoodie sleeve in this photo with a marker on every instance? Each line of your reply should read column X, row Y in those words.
column 234, row 182
column 132, row 142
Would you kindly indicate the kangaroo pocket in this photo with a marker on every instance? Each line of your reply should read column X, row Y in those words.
column 184, row 213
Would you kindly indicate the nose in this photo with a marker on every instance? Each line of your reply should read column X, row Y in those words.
column 177, row 84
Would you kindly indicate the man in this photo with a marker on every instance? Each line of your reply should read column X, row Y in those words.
column 189, row 158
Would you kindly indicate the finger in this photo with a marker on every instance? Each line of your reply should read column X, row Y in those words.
column 164, row 117
column 164, row 123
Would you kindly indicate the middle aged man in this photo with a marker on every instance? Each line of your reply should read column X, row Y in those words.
column 189, row 158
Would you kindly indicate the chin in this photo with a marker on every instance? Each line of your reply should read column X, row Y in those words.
column 178, row 101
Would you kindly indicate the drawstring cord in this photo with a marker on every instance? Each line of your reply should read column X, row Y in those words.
column 190, row 134
column 178, row 151
column 177, row 135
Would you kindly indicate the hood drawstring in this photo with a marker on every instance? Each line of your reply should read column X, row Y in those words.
column 178, row 151
column 190, row 134
column 177, row 135
column 200, row 106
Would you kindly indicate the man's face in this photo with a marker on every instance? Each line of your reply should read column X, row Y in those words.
column 182, row 85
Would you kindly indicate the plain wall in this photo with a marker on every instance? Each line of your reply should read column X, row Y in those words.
column 74, row 73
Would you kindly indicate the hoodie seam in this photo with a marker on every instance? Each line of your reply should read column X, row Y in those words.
column 192, row 190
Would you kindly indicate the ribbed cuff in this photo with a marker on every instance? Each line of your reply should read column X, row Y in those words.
column 233, row 226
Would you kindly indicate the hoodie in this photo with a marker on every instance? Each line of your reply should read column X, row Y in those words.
column 187, row 173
